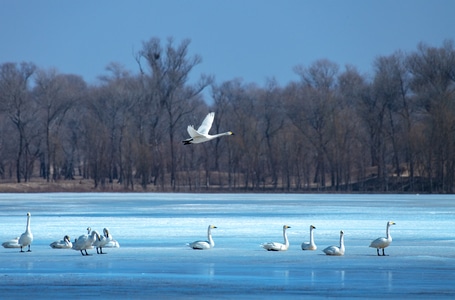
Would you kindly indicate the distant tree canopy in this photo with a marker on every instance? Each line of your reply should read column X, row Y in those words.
column 333, row 129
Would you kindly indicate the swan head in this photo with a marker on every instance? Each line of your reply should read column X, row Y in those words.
column 391, row 223
column 29, row 214
column 312, row 227
column 230, row 133
column 341, row 233
column 66, row 238
column 106, row 232
column 212, row 226
column 286, row 227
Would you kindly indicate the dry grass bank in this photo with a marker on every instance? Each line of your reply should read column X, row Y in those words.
column 38, row 185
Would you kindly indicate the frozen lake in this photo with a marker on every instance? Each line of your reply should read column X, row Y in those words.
column 154, row 262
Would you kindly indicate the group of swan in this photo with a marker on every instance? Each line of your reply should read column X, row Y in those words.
column 332, row 250
column 94, row 239
column 202, row 133
column 379, row 243
column 84, row 242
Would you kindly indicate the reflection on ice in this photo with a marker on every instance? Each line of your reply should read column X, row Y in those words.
column 154, row 261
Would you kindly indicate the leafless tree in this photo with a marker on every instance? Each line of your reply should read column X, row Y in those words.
column 170, row 92
column 56, row 94
column 433, row 83
column 17, row 102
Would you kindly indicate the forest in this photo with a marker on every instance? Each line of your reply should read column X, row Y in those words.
column 332, row 130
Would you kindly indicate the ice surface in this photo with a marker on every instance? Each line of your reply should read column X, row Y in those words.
column 153, row 261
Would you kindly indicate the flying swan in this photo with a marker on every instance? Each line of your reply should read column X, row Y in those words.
column 381, row 243
column 26, row 238
column 202, row 133
column 85, row 242
column 204, row 245
column 311, row 245
column 334, row 250
column 13, row 243
column 274, row 246
column 62, row 244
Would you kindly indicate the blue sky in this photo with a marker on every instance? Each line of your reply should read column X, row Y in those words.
column 249, row 39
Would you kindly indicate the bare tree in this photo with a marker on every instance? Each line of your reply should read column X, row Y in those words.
column 55, row 94
column 170, row 93
column 433, row 82
column 17, row 102
column 318, row 109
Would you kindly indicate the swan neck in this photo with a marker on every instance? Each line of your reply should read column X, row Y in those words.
column 311, row 236
column 209, row 237
column 286, row 241
column 220, row 134
column 28, row 224
column 389, row 237
column 342, row 242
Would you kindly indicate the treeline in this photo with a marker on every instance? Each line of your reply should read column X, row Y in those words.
column 333, row 129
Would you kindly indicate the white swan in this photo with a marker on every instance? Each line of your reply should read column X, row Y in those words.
column 101, row 243
column 62, row 244
column 334, row 250
column 202, row 133
column 89, row 230
column 85, row 242
column 26, row 238
column 111, row 243
column 274, row 246
column 204, row 245
column 311, row 245
column 13, row 243
column 381, row 243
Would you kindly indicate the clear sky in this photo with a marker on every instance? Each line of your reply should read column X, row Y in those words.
column 250, row 39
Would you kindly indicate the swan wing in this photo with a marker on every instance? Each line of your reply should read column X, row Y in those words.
column 273, row 246
column 332, row 250
column 206, row 124
column 380, row 243
column 192, row 132
column 112, row 244
column 200, row 245
column 62, row 244
column 26, row 239
column 79, row 243
column 13, row 243
column 83, row 242
column 309, row 246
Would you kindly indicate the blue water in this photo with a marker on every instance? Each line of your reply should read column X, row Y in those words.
column 154, row 262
